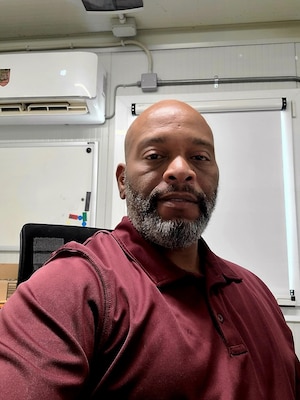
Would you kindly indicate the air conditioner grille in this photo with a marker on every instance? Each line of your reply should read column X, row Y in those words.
column 53, row 108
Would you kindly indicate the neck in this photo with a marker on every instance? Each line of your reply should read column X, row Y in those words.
column 185, row 258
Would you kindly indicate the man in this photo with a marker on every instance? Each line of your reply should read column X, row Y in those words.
column 148, row 311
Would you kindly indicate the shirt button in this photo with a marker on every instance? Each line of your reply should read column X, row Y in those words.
column 220, row 318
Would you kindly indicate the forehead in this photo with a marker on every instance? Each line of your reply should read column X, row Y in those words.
column 169, row 125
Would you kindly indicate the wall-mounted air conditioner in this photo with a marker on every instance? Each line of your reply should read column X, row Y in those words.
column 51, row 88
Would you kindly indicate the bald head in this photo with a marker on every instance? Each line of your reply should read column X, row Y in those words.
column 161, row 114
column 170, row 178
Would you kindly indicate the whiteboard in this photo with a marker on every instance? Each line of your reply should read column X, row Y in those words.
column 46, row 182
column 254, row 223
column 248, row 225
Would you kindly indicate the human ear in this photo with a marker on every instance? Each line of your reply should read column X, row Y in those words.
column 120, row 175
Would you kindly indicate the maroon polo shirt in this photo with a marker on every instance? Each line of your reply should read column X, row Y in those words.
column 115, row 319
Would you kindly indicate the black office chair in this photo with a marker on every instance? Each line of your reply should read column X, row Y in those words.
column 38, row 241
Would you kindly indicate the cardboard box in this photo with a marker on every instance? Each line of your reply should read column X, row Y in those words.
column 9, row 271
column 8, row 280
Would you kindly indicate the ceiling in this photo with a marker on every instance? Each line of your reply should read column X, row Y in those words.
column 39, row 18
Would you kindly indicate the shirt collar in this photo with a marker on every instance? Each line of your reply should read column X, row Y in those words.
column 160, row 269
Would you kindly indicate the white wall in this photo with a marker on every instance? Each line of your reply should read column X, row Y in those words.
column 198, row 62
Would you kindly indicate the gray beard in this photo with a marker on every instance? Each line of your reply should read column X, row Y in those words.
column 171, row 234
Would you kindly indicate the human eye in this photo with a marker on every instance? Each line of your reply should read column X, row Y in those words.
column 153, row 156
column 201, row 157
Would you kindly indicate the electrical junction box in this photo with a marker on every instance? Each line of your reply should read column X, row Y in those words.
column 149, row 82
column 123, row 29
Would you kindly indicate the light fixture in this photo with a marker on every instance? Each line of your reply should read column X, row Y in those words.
column 112, row 5
column 217, row 106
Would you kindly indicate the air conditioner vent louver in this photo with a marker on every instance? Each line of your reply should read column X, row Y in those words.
column 43, row 109
column 9, row 108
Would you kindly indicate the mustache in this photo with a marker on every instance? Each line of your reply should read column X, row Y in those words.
column 157, row 193
column 202, row 199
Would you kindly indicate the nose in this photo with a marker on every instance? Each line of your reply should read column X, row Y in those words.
column 179, row 171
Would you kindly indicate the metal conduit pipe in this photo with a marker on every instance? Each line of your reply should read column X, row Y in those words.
column 211, row 81
column 217, row 80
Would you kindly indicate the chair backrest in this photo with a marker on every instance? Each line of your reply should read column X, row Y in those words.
column 38, row 241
